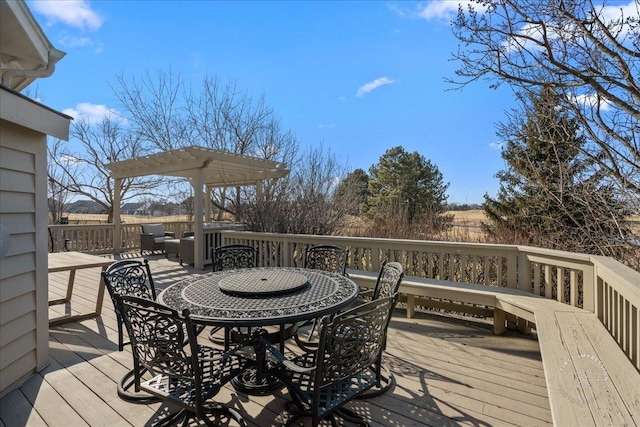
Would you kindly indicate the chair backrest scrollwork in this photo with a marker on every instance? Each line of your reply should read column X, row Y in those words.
column 229, row 257
column 352, row 341
column 388, row 283
column 131, row 278
column 327, row 258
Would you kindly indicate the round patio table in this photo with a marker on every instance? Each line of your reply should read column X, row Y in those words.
column 263, row 296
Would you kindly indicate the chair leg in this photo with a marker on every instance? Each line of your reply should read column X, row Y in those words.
column 125, row 384
column 120, row 336
column 224, row 411
column 385, row 381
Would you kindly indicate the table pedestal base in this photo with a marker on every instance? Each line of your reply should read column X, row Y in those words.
column 249, row 383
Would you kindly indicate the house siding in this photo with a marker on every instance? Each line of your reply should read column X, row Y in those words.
column 24, row 325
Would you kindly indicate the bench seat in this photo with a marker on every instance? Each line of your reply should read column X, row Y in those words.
column 590, row 380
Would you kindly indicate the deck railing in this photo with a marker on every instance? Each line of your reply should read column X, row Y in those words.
column 598, row 284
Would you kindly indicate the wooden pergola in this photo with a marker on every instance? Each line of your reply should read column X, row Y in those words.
column 203, row 168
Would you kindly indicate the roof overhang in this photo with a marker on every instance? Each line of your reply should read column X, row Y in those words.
column 219, row 168
column 25, row 51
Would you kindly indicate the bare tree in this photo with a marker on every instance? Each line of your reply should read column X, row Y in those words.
column 168, row 114
column 155, row 108
column 304, row 202
column 588, row 51
column 58, row 193
column 223, row 117
column 83, row 172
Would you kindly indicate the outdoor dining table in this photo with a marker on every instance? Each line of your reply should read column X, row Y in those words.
column 71, row 262
column 257, row 297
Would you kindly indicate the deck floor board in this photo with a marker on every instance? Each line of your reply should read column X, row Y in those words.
column 448, row 372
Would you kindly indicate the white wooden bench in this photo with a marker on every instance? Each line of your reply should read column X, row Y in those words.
column 590, row 381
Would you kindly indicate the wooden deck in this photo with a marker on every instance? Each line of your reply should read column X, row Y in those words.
column 448, row 371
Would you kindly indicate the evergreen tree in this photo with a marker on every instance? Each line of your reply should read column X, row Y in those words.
column 408, row 185
column 352, row 191
column 550, row 195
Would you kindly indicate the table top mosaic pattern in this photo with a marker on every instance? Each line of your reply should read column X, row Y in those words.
column 324, row 293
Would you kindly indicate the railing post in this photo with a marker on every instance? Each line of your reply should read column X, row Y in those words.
column 512, row 269
column 375, row 258
column 117, row 232
column 588, row 288
column 524, row 272
column 287, row 256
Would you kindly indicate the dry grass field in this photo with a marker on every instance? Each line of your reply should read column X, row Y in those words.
column 128, row 219
column 466, row 224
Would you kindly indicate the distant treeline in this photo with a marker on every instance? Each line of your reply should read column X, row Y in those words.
column 463, row 207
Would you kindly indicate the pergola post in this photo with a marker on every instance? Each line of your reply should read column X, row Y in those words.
column 198, row 237
column 207, row 203
column 259, row 190
column 117, row 233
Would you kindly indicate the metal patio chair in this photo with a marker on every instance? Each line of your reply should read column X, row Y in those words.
column 131, row 278
column 128, row 277
column 342, row 368
column 184, row 372
column 229, row 257
column 387, row 284
column 327, row 258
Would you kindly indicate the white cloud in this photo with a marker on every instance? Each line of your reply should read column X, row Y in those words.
column 608, row 14
column 92, row 113
column 591, row 101
column 368, row 87
column 329, row 126
column 69, row 41
column 496, row 145
column 438, row 10
column 443, row 10
column 75, row 13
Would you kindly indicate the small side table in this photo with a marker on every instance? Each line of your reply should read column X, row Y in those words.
column 172, row 247
column 186, row 250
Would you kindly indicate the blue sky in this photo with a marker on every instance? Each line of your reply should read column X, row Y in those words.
column 357, row 77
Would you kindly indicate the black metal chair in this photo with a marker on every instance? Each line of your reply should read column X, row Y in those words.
column 131, row 278
column 343, row 368
column 128, row 277
column 388, row 283
column 329, row 258
column 183, row 372
column 228, row 257
column 326, row 257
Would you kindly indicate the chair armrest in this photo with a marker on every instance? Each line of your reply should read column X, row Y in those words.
column 169, row 234
column 275, row 352
column 188, row 234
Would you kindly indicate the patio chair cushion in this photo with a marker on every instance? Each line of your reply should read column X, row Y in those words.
column 156, row 229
